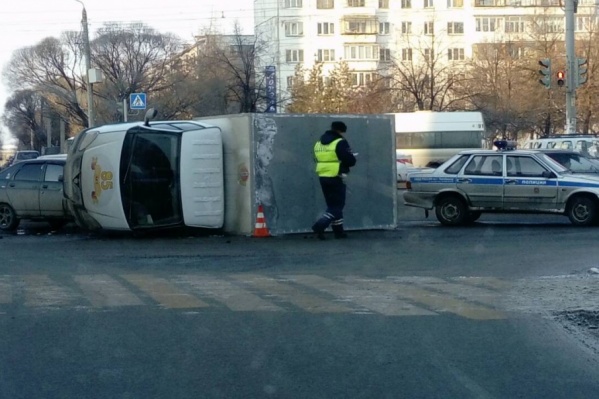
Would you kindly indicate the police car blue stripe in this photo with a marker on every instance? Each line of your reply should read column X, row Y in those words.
column 577, row 184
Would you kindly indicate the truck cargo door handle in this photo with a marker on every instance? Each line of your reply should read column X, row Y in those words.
column 45, row 186
column 11, row 185
column 464, row 180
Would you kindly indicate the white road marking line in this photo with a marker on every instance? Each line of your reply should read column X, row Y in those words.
column 437, row 302
column 104, row 291
column 232, row 296
column 381, row 302
column 41, row 290
column 164, row 292
column 293, row 295
column 467, row 292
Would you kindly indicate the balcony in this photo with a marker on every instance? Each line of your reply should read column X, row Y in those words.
column 359, row 25
column 516, row 3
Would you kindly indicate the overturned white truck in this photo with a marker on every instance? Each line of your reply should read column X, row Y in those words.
column 216, row 172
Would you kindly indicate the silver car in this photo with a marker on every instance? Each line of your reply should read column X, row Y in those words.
column 503, row 181
column 33, row 190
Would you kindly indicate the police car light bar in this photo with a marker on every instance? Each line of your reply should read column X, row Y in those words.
column 505, row 145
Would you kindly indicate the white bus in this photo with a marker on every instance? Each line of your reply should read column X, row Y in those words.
column 433, row 137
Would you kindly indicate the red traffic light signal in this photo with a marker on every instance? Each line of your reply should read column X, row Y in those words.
column 561, row 76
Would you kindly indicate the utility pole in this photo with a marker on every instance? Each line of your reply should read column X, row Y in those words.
column 571, row 67
column 89, row 86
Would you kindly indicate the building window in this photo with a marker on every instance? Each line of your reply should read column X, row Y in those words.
column 490, row 24
column 325, row 4
column 583, row 23
column 428, row 4
column 362, row 78
column 406, row 3
column 294, row 29
column 294, row 55
column 455, row 28
column 406, row 54
column 383, row 3
column 406, row 28
column 361, row 52
column 514, row 25
column 455, row 3
column 293, row 3
column 429, row 28
column 355, row 3
column 554, row 25
column 360, row 26
column 384, row 28
column 385, row 54
column 326, row 28
column 455, row 54
column 326, row 55
column 427, row 54
column 290, row 82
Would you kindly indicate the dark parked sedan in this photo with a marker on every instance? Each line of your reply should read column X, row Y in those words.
column 33, row 190
column 574, row 161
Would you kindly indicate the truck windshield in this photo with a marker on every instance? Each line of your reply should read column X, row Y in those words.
column 150, row 178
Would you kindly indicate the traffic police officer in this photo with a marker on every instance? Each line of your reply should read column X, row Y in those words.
column 334, row 157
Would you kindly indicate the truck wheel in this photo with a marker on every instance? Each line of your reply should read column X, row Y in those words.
column 582, row 211
column 8, row 218
column 451, row 211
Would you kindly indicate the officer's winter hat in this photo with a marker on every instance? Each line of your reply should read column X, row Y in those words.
column 339, row 127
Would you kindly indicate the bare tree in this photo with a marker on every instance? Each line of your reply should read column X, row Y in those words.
column 136, row 58
column 234, row 57
column 588, row 47
column 21, row 116
column 426, row 73
column 52, row 67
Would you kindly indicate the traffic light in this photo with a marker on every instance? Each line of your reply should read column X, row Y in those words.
column 561, row 78
column 581, row 71
column 545, row 72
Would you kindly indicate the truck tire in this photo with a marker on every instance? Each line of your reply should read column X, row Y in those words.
column 451, row 210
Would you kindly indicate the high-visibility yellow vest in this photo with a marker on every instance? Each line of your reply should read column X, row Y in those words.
column 327, row 162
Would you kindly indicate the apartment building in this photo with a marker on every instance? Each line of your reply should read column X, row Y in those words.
column 369, row 33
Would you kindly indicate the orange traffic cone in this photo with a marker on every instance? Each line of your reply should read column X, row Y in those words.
column 260, row 229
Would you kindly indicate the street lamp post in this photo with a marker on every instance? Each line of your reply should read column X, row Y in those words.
column 89, row 86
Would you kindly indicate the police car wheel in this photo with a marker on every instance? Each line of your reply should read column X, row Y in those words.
column 451, row 211
column 582, row 211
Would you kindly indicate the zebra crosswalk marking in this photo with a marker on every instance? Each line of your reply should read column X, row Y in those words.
column 5, row 290
column 434, row 301
column 488, row 282
column 288, row 293
column 41, row 290
column 467, row 292
column 163, row 292
column 232, row 296
column 103, row 291
column 377, row 301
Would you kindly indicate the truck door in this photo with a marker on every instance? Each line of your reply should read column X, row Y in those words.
column 202, row 178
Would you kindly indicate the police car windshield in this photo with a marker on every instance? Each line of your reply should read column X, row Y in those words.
column 554, row 164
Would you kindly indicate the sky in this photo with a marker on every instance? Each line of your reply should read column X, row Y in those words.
column 26, row 22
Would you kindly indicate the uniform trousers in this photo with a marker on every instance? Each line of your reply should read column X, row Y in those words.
column 334, row 190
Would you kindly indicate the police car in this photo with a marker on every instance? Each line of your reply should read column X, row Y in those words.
column 503, row 181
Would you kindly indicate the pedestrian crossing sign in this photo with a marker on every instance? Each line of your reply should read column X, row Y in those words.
column 137, row 101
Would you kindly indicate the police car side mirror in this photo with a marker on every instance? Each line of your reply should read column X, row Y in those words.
column 548, row 175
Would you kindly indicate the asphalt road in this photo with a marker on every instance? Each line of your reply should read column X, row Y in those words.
column 420, row 312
